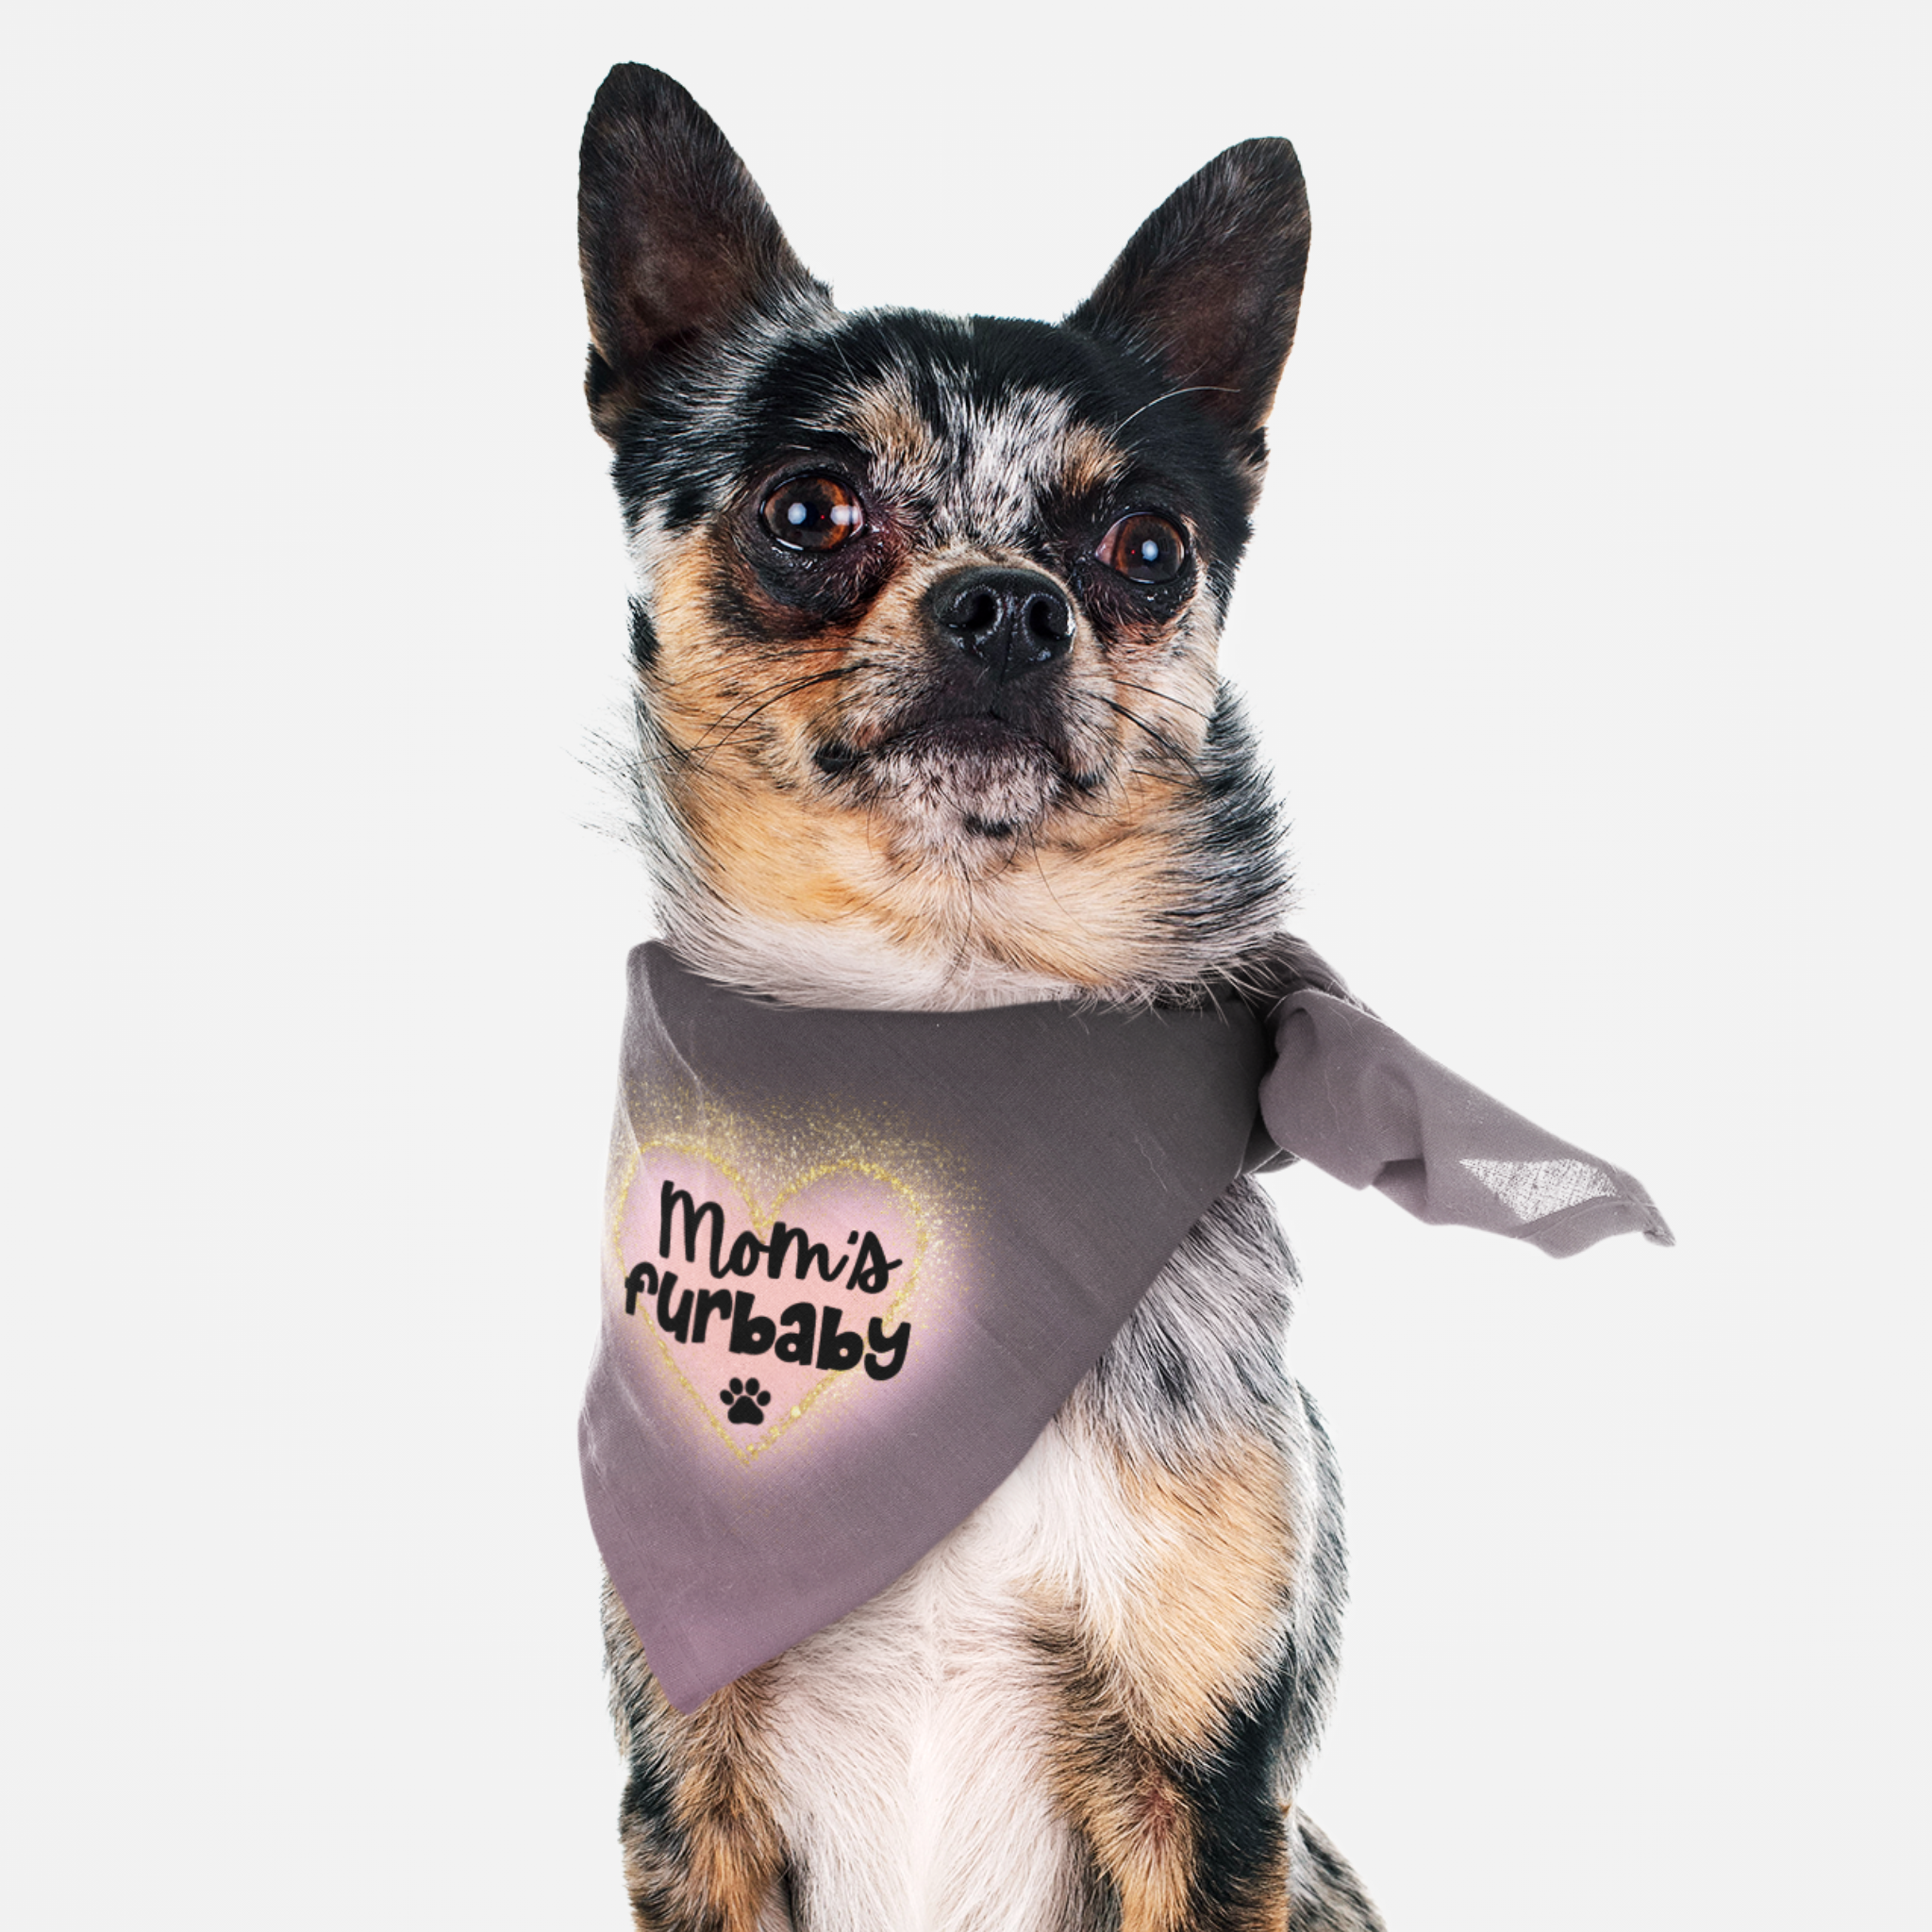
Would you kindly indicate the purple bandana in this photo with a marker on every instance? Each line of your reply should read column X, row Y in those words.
column 856, row 1261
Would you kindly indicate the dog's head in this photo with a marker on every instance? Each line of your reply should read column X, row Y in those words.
column 928, row 606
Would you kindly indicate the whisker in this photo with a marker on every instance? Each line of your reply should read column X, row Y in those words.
column 1039, row 866
column 1160, row 738
column 1197, row 389
column 667, row 751
column 1165, row 697
column 763, row 701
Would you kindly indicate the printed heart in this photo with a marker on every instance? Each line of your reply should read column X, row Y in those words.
column 762, row 1313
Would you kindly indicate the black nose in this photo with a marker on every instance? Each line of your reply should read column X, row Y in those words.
column 1012, row 621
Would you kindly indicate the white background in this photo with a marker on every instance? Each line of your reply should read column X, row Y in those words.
column 1585, row 627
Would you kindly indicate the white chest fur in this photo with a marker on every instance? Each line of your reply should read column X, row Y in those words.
column 909, row 1740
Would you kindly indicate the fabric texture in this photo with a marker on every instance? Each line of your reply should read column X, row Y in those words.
column 856, row 1261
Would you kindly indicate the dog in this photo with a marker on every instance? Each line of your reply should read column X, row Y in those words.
column 928, row 717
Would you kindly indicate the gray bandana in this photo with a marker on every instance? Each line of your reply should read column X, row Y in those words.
column 856, row 1261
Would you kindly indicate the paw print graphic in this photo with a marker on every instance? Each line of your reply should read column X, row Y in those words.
column 744, row 1402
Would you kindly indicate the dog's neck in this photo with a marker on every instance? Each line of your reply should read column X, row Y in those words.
column 825, row 965
column 1039, row 931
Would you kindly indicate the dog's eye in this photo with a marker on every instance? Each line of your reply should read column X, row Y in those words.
column 813, row 513
column 1146, row 549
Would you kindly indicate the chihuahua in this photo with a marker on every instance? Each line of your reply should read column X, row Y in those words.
column 928, row 717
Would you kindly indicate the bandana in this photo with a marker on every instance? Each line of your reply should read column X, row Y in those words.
column 856, row 1261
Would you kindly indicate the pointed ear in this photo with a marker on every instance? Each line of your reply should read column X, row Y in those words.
column 1212, row 284
column 676, row 242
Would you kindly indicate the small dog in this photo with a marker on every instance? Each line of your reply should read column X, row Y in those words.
column 928, row 717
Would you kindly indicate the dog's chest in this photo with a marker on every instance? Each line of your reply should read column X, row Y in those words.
column 912, row 1741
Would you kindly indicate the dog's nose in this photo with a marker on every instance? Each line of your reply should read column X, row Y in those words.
column 1012, row 621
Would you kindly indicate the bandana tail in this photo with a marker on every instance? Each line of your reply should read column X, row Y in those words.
column 1354, row 1097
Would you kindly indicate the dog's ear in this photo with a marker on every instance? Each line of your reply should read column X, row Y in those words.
column 676, row 242
column 1210, row 286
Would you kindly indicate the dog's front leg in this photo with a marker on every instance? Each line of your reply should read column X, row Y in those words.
column 1175, row 1685
column 701, row 1851
column 1188, row 1841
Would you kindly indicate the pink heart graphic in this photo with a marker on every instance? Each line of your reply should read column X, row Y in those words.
column 761, row 1314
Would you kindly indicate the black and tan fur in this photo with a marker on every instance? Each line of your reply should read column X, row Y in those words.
column 958, row 757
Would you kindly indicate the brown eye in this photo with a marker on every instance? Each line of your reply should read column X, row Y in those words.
column 813, row 513
column 1145, row 549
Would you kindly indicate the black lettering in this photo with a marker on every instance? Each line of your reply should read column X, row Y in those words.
column 710, row 1301
column 750, row 1334
column 640, row 1284
column 748, row 1251
column 891, row 1356
column 808, row 1251
column 836, row 1351
column 679, row 1324
column 675, row 1197
column 872, row 1271
column 801, row 1324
